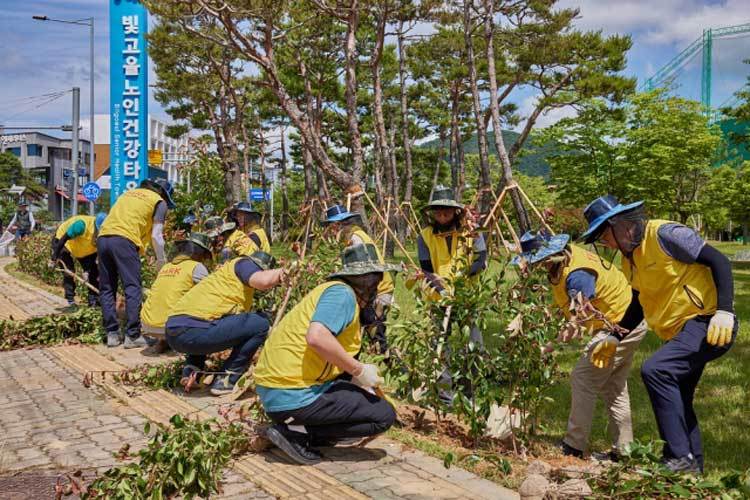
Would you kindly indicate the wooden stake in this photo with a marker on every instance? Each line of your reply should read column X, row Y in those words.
column 533, row 207
column 375, row 209
column 387, row 217
column 75, row 276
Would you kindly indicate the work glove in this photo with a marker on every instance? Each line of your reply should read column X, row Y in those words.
column 604, row 351
column 367, row 376
column 720, row 329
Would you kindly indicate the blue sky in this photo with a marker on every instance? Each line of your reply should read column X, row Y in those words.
column 43, row 57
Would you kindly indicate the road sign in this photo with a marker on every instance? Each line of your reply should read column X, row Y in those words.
column 155, row 157
column 256, row 194
column 91, row 191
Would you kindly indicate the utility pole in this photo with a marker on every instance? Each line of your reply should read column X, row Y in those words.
column 91, row 110
column 74, row 153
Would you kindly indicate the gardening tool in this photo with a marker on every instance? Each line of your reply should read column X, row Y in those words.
column 75, row 276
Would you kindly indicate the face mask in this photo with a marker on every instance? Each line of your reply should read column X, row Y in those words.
column 366, row 286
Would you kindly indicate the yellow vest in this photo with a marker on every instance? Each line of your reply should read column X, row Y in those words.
column 132, row 217
column 446, row 262
column 613, row 294
column 217, row 295
column 265, row 245
column 287, row 362
column 386, row 284
column 171, row 284
column 83, row 245
column 240, row 243
column 671, row 292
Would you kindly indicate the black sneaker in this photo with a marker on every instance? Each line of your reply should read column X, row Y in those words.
column 329, row 442
column 687, row 464
column 606, row 456
column 570, row 451
column 294, row 444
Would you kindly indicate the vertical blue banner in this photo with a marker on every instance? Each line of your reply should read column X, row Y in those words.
column 128, row 95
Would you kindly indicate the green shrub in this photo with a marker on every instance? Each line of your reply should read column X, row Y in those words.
column 84, row 325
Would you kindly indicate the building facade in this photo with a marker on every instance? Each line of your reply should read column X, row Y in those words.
column 174, row 152
column 48, row 161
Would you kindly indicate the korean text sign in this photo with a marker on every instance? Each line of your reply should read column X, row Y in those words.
column 128, row 95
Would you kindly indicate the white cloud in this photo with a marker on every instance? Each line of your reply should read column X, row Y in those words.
column 662, row 22
column 550, row 117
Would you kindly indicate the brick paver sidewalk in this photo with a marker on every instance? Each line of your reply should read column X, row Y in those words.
column 56, row 423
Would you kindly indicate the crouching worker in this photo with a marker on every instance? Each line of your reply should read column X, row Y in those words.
column 348, row 226
column 215, row 315
column 76, row 239
column 571, row 271
column 300, row 375
column 228, row 240
column 174, row 280
column 248, row 221
column 686, row 291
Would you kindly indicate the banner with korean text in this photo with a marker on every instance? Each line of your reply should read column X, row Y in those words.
column 128, row 95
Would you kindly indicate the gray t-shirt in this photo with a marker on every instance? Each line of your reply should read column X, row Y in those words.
column 680, row 242
column 199, row 273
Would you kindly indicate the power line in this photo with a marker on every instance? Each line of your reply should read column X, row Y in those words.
column 38, row 104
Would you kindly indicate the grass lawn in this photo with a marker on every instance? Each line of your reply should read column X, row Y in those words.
column 722, row 400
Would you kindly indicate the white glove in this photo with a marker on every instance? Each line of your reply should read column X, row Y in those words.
column 720, row 329
column 367, row 376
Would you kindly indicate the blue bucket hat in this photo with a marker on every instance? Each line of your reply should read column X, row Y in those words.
column 600, row 211
column 337, row 213
column 99, row 220
column 161, row 186
column 537, row 247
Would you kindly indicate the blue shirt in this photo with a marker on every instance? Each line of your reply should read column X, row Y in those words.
column 582, row 281
column 335, row 310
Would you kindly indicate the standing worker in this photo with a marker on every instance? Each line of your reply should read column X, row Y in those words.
column 571, row 271
column 174, row 280
column 444, row 252
column 248, row 221
column 76, row 238
column 348, row 225
column 215, row 315
column 299, row 374
column 686, row 293
column 23, row 222
column 136, row 219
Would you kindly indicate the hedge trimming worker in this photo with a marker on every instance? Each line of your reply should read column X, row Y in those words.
column 175, row 279
column 135, row 220
column 215, row 315
column 301, row 375
column 443, row 253
column 686, row 293
column 571, row 271
column 349, row 224
column 248, row 221
column 76, row 238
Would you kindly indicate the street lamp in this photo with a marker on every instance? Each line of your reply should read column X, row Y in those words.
column 86, row 21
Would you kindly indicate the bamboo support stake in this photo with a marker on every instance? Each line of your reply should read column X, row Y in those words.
column 375, row 209
column 516, row 241
column 533, row 207
column 498, row 201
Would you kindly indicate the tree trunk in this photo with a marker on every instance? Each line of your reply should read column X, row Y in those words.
column 381, row 148
column 505, row 166
column 405, row 139
column 284, row 193
column 351, row 91
column 455, row 141
column 484, row 162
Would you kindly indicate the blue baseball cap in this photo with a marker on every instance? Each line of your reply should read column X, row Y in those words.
column 537, row 247
column 600, row 211
column 337, row 213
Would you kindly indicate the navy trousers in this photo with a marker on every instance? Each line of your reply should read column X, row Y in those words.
column 243, row 333
column 119, row 261
column 343, row 411
column 671, row 376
